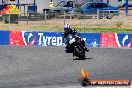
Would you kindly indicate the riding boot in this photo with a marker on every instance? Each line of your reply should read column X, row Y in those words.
column 86, row 49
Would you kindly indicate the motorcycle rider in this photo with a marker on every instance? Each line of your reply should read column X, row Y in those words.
column 68, row 30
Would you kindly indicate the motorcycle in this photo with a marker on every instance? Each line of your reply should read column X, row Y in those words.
column 76, row 45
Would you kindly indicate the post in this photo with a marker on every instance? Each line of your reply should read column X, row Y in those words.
column 34, row 2
column 18, row 4
column 98, row 14
column 126, row 8
column 24, row 10
column 27, row 17
column 45, row 17
column 103, row 15
column 64, row 17
column 75, row 1
column 20, row 7
column 9, row 17
column 34, row 6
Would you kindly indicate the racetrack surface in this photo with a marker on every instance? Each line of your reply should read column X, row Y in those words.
column 50, row 67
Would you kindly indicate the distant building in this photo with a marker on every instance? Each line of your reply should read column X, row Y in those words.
column 111, row 2
column 41, row 4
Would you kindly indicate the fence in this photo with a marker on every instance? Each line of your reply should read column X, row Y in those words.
column 56, row 21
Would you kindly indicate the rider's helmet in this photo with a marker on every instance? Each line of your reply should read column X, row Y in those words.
column 66, row 27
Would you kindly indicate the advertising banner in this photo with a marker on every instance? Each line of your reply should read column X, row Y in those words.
column 43, row 38
column 116, row 40
column 49, row 38
column 4, row 37
column 108, row 40
column 15, row 38
column 124, row 40
column 91, row 39
column 36, row 38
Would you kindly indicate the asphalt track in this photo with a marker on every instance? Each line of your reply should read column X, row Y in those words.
column 51, row 67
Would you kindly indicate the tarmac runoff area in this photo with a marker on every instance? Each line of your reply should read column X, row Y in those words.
column 51, row 67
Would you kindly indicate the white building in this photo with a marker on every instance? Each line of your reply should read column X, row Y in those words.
column 111, row 2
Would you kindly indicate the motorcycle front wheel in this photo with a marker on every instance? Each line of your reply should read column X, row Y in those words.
column 79, row 53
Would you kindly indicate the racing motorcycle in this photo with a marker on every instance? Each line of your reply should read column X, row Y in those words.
column 76, row 45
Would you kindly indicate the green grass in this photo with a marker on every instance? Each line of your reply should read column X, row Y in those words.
column 124, row 30
column 60, row 29
column 54, row 28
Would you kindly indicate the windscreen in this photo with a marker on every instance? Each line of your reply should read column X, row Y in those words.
column 62, row 3
column 85, row 5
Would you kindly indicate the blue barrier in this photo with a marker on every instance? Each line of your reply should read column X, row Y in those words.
column 43, row 38
column 91, row 39
column 55, row 38
column 4, row 37
column 123, row 40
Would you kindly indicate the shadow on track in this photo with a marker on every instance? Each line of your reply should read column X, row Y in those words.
column 82, row 59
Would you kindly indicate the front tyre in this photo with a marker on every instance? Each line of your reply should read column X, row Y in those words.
column 79, row 53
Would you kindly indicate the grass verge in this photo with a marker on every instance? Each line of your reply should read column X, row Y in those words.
column 54, row 28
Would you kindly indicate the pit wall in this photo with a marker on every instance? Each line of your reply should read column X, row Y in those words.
column 114, row 40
